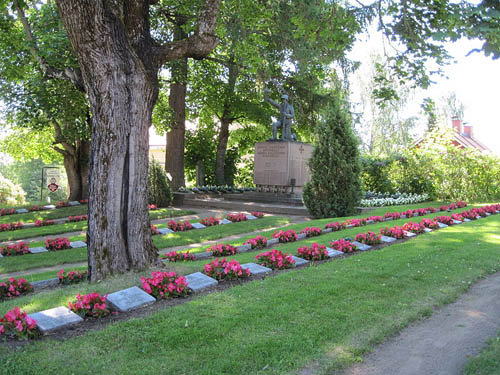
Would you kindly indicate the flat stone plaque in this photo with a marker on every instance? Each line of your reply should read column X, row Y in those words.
column 361, row 246
column 244, row 248
column 49, row 207
column 198, row 281
column 42, row 284
column 273, row 241
column 409, row 234
column 441, row 225
column 39, row 249
column 76, row 244
column 129, row 299
column 28, row 225
column 203, row 255
column 55, row 318
column 1, row 256
column 427, row 230
column 299, row 261
column 301, row 236
column 388, row 219
column 457, row 222
column 466, row 220
column 326, row 230
column 403, row 217
column 332, row 253
column 22, row 211
column 198, row 226
column 225, row 221
column 165, row 230
column 388, row 239
column 479, row 217
column 349, row 226
column 256, row 269
column 251, row 217
column 488, row 214
column 73, row 203
column 369, row 221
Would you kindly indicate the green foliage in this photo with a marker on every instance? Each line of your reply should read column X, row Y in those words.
column 445, row 171
column 334, row 188
column 159, row 190
column 375, row 174
column 10, row 193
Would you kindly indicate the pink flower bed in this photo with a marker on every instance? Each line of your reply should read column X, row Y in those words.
column 444, row 219
column 343, row 245
column 209, row 221
column 396, row 232
column 356, row 222
column 221, row 250
column 335, row 226
column 163, row 285
column 61, row 204
column 60, row 243
column 420, row 212
column 315, row 252
column 311, row 231
column 14, row 288
column 257, row 214
column 275, row 259
column 84, row 201
column 369, row 238
column 11, row 226
column 430, row 210
column 457, row 217
column 152, row 207
column 375, row 219
column 7, row 211
column 257, row 242
column 174, row 256
column 35, row 207
column 393, row 215
column 73, row 219
column 236, row 217
column 154, row 230
column 286, row 236
column 469, row 215
column 72, row 277
column 412, row 227
column 19, row 248
column 17, row 323
column 179, row 226
column 221, row 269
column 90, row 305
column 44, row 223
column 430, row 223
column 407, row 213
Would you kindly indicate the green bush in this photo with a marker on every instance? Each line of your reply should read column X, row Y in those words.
column 334, row 188
column 10, row 193
column 375, row 174
column 159, row 190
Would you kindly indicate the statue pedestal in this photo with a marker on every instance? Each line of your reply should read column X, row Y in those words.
column 281, row 167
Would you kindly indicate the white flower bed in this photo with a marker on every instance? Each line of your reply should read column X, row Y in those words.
column 404, row 199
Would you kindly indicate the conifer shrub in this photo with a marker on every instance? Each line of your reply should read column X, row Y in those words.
column 334, row 187
column 160, row 193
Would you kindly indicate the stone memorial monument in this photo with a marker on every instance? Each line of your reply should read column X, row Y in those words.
column 281, row 163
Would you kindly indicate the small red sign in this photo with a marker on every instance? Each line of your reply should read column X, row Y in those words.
column 53, row 187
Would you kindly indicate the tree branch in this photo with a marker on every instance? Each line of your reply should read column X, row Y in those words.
column 197, row 46
column 68, row 74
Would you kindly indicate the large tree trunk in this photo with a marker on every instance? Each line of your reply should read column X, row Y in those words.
column 122, row 91
column 119, row 63
column 77, row 170
column 225, row 120
column 174, row 158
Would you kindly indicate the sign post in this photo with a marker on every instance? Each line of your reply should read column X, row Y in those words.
column 52, row 177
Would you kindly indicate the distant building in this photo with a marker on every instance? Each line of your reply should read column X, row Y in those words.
column 157, row 146
column 462, row 137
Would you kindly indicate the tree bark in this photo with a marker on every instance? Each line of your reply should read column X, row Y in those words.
column 225, row 120
column 119, row 62
column 77, row 170
column 174, row 157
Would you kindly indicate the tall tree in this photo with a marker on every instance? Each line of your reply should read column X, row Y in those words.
column 32, row 101
column 119, row 61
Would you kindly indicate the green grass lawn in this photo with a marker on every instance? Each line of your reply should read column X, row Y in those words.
column 325, row 316
column 26, row 262
column 81, row 225
column 45, row 215
column 487, row 362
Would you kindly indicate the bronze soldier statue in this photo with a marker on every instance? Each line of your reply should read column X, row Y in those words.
column 286, row 115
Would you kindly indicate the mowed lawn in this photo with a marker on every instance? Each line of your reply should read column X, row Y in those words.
column 317, row 318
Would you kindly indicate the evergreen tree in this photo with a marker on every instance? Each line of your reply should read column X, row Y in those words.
column 159, row 190
column 334, row 188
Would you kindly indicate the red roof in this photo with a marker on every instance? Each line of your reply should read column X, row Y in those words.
column 462, row 140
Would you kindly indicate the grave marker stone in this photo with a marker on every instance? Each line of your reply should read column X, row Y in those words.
column 244, row 248
column 326, row 230
column 457, row 222
column 466, row 220
column 427, row 230
column 77, row 244
column 129, row 299
column 388, row 239
column 251, row 217
column 39, row 249
column 225, row 221
column 361, row 246
column 198, row 281
column 273, row 241
column 49, row 207
column 409, row 234
column 441, row 225
column 299, row 261
column 301, row 236
column 256, row 269
column 73, row 203
column 22, row 211
column 332, row 253
column 198, row 226
column 165, row 230
column 369, row 221
column 42, row 284
column 58, row 317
